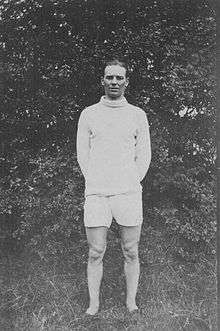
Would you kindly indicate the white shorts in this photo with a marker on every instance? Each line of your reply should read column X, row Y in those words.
column 126, row 209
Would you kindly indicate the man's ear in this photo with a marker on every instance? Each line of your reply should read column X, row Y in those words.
column 102, row 81
column 127, row 82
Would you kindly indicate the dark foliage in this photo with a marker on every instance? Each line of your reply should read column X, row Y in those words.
column 53, row 55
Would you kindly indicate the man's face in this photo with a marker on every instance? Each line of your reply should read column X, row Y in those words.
column 114, row 81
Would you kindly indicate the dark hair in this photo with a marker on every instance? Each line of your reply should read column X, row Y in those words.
column 116, row 62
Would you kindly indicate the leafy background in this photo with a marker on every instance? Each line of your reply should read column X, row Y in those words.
column 53, row 57
column 54, row 53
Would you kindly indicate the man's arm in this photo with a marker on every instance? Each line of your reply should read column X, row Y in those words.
column 83, row 143
column 143, row 147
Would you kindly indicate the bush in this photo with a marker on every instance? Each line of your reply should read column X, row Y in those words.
column 44, row 209
column 183, row 204
column 48, row 203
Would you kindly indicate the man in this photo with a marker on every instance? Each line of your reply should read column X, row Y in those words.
column 114, row 153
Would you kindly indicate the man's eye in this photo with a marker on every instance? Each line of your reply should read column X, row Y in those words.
column 112, row 77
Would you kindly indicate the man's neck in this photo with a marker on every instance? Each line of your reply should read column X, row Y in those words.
column 116, row 103
column 114, row 99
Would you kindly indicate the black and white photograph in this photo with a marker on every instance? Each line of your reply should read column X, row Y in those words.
column 108, row 165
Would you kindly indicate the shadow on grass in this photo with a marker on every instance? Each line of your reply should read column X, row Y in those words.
column 52, row 295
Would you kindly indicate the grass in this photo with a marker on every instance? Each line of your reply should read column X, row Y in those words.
column 51, row 294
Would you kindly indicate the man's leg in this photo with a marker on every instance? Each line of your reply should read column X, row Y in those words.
column 130, row 236
column 96, row 237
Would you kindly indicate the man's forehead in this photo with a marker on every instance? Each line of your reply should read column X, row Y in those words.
column 115, row 70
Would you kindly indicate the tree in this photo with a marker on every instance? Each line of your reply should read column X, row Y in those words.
column 53, row 56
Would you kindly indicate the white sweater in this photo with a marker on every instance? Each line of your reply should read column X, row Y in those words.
column 113, row 147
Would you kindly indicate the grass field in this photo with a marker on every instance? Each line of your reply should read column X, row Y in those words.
column 174, row 294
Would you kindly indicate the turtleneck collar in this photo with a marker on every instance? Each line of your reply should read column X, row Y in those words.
column 113, row 103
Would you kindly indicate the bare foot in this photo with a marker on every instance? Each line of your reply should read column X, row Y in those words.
column 92, row 310
column 132, row 307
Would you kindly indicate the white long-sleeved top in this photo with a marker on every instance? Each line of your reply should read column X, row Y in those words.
column 113, row 147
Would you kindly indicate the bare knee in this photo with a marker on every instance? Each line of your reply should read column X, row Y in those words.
column 130, row 252
column 96, row 254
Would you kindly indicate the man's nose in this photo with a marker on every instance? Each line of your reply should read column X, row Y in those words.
column 114, row 80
